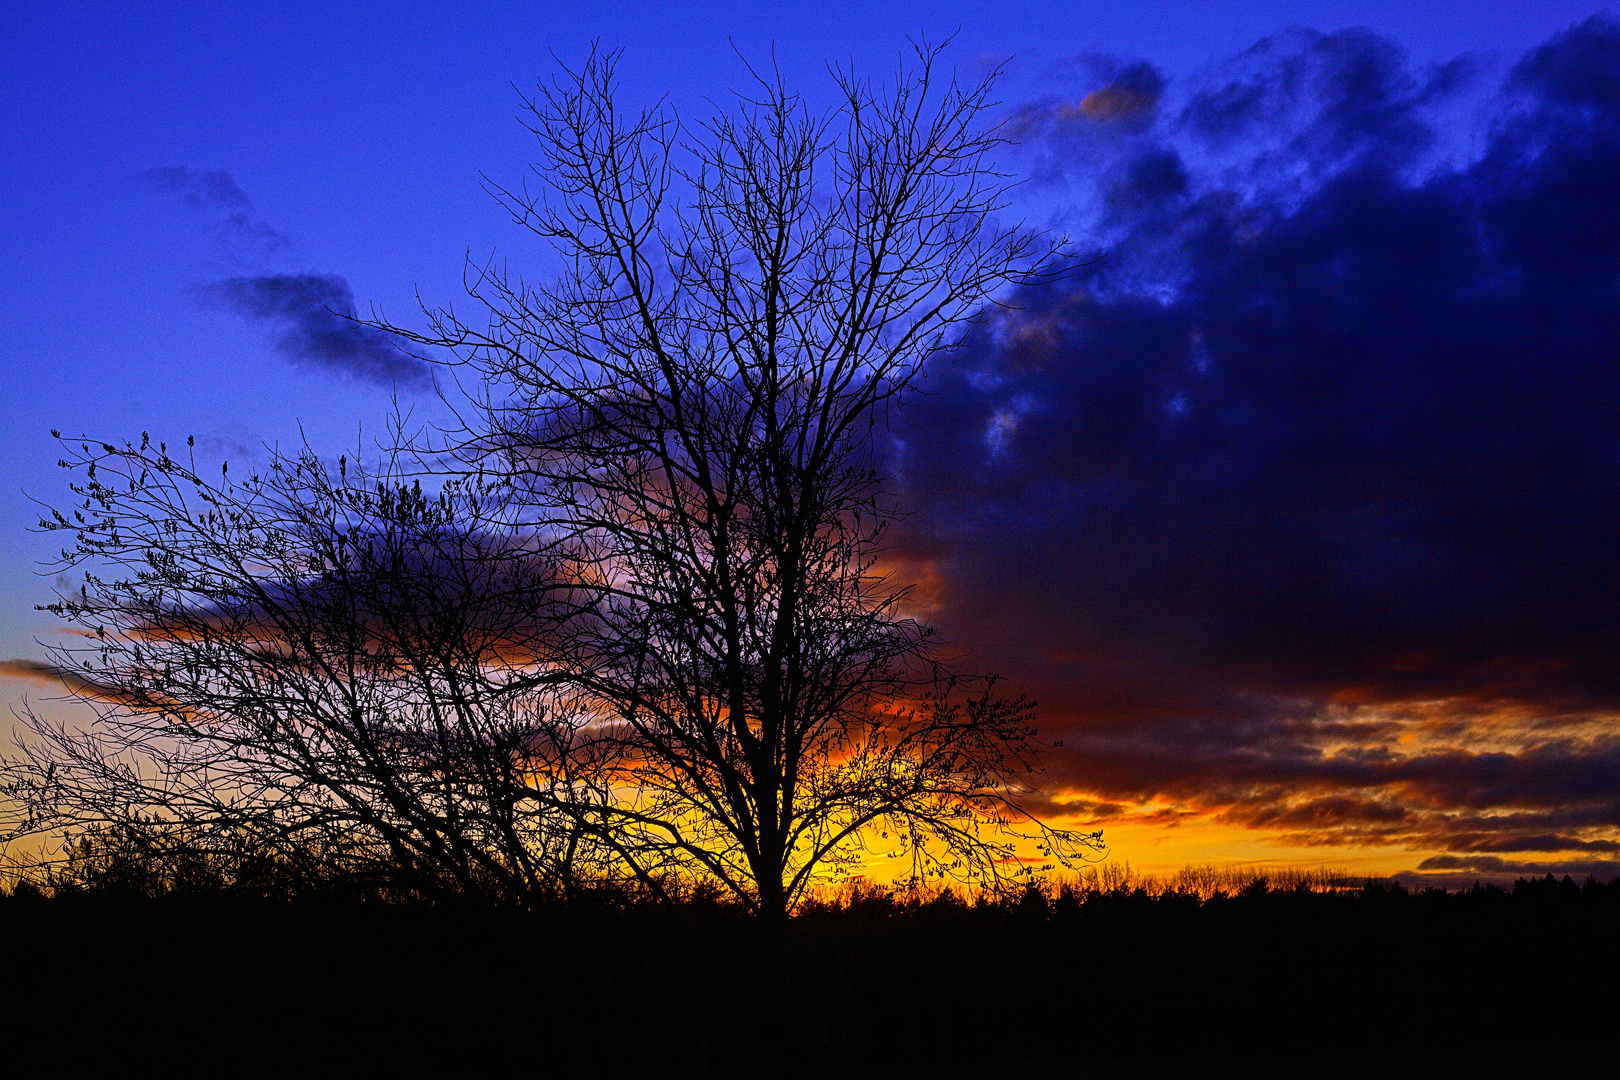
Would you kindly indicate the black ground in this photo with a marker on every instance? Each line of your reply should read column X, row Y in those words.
column 1381, row 982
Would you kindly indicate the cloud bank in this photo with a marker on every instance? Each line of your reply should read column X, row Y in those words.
column 1299, row 509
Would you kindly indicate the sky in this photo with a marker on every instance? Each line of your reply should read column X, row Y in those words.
column 1294, row 502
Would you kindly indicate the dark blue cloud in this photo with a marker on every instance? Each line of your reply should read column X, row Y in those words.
column 318, row 328
column 1335, row 419
column 315, row 312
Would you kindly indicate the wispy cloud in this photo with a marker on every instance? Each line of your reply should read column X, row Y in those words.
column 314, row 314
column 216, row 196
column 79, row 683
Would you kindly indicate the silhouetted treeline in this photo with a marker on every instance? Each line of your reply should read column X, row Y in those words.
column 105, row 971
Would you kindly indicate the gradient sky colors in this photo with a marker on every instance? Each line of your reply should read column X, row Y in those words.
column 1296, row 504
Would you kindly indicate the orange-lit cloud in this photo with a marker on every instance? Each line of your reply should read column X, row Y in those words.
column 80, row 683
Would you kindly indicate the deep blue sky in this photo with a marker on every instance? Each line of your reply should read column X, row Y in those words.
column 151, row 156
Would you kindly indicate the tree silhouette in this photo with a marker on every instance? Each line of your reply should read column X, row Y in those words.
column 638, row 625
column 319, row 662
column 689, row 409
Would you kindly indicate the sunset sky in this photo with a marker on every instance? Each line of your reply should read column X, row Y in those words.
column 1296, row 503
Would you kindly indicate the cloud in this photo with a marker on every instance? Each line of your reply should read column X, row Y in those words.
column 1124, row 97
column 31, row 671
column 216, row 195
column 316, row 316
column 1327, row 441
column 232, row 441
column 79, row 683
column 1327, row 101
column 316, row 312
column 1485, row 864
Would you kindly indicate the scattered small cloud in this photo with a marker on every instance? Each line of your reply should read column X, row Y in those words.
column 217, row 196
column 232, row 441
column 318, row 327
column 314, row 313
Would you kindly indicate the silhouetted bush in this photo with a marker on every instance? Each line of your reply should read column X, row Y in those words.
column 103, row 972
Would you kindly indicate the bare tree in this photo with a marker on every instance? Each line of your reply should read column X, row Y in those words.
column 642, row 631
column 321, row 664
column 688, row 412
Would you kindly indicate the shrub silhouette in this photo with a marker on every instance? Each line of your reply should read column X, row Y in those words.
column 1117, row 967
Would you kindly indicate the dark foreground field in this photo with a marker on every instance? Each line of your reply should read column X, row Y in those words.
column 1380, row 982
